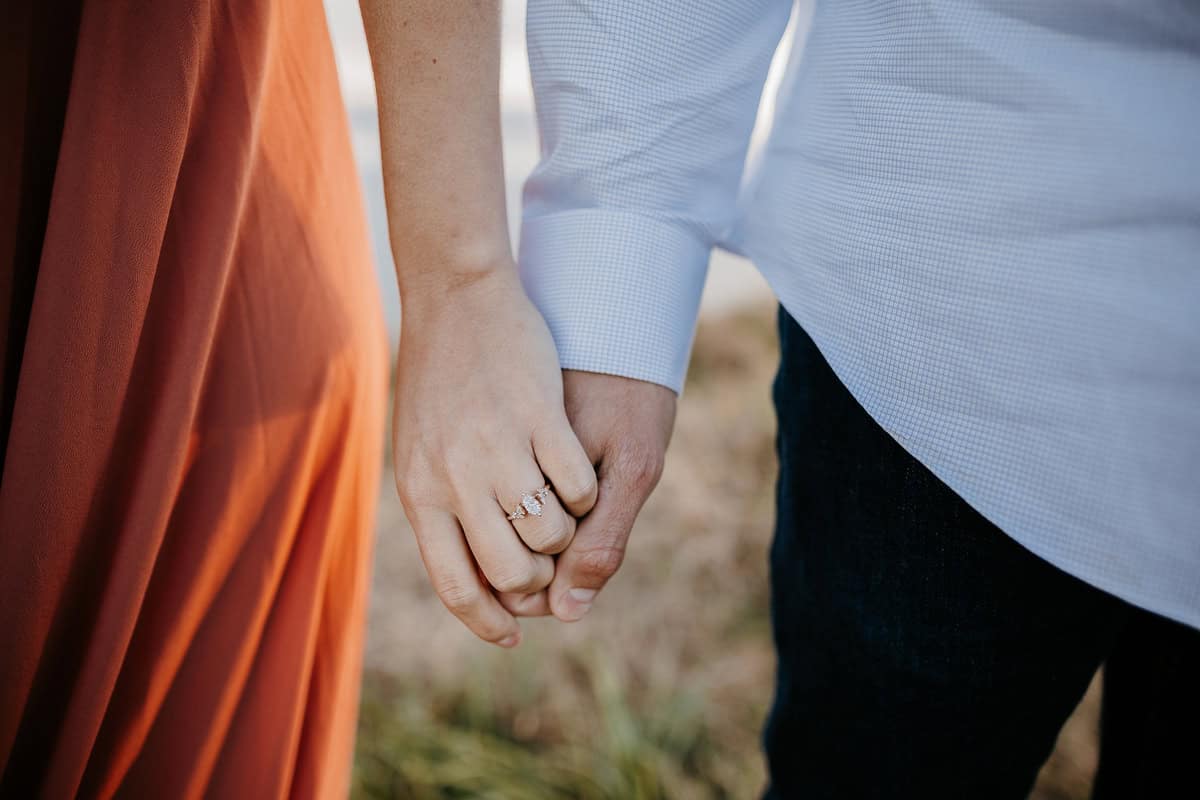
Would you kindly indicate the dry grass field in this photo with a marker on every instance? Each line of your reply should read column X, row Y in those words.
column 662, row 690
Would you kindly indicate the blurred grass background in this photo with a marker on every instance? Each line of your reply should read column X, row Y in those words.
column 662, row 691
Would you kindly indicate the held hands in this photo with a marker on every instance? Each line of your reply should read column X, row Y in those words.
column 483, row 415
column 478, row 422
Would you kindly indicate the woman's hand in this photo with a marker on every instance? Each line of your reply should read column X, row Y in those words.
column 479, row 417
column 478, row 423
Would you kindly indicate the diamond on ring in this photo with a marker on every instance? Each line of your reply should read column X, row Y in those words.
column 532, row 503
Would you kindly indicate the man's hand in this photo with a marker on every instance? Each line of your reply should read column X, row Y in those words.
column 624, row 426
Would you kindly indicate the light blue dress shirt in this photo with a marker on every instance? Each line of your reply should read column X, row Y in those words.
column 986, row 213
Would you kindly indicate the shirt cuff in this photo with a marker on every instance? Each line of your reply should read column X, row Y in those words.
column 619, row 291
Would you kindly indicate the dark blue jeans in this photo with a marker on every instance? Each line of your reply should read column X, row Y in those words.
column 923, row 653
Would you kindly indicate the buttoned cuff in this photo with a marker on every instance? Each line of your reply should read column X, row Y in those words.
column 620, row 291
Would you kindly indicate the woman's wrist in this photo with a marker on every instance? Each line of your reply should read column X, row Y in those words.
column 455, row 292
column 434, row 280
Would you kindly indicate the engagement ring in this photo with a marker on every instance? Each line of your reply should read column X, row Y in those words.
column 531, row 503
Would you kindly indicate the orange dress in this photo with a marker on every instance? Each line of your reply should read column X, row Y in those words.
column 191, row 412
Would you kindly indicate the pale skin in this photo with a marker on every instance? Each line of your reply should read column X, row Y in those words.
column 482, row 412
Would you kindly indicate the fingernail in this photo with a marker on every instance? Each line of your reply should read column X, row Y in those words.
column 510, row 641
column 579, row 602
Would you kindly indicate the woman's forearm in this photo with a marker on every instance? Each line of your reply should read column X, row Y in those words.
column 436, row 65
column 479, row 421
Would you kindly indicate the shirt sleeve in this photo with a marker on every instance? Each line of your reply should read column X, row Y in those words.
column 645, row 109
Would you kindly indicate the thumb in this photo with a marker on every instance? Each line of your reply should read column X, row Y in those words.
column 596, row 552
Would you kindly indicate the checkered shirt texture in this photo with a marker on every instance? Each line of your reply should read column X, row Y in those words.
column 986, row 213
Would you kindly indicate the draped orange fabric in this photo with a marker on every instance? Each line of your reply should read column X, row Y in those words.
column 194, row 388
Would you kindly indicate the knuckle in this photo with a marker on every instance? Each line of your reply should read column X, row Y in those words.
column 577, row 488
column 554, row 539
column 415, row 492
column 458, row 596
column 642, row 465
column 599, row 562
column 413, row 499
column 411, row 468
column 405, row 488
column 459, row 491
column 515, row 579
